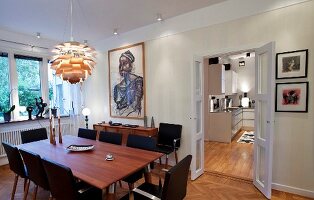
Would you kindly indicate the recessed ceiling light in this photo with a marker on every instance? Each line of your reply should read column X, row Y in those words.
column 115, row 31
column 38, row 35
column 159, row 17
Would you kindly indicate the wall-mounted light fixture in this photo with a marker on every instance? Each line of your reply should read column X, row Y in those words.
column 241, row 63
column 159, row 17
column 115, row 31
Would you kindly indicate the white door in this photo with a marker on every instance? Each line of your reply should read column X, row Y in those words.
column 264, row 117
column 197, row 132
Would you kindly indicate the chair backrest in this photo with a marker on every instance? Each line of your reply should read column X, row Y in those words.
column 15, row 159
column 141, row 142
column 33, row 135
column 110, row 137
column 87, row 133
column 168, row 132
column 175, row 183
column 35, row 169
column 61, row 181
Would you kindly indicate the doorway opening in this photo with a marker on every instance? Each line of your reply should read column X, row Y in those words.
column 229, row 90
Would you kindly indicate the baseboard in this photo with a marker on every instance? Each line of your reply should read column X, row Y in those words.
column 293, row 190
column 3, row 160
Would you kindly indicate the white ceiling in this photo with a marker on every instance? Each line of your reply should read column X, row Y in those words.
column 93, row 20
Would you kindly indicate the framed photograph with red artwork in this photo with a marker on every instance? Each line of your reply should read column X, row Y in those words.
column 292, row 97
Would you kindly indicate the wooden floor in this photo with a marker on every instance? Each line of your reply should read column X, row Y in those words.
column 210, row 186
column 234, row 159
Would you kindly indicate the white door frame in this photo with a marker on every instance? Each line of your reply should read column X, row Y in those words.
column 264, row 117
column 250, row 47
column 197, row 136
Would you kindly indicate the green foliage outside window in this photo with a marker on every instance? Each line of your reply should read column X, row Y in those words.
column 4, row 84
column 28, row 82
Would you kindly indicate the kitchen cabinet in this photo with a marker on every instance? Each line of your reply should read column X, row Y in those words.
column 231, row 82
column 236, row 121
column 216, row 79
column 220, row 127
column 223, row 126
column 248, row 118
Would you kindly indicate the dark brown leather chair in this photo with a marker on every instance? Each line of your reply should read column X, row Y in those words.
column 87, row 133
column 36, row 171
column 33, row 135
column 174, row 187
column 16, row 165
column 140, row 142
column 169, row 136
column 110, row 137
column 63, row 185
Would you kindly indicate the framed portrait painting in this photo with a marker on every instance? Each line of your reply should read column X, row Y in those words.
column 291, row 64
column 127, row 82
column 292, row 97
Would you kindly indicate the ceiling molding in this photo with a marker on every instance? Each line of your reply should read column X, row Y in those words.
column 215, row 14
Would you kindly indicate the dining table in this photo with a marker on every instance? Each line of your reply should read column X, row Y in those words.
column 91, row 165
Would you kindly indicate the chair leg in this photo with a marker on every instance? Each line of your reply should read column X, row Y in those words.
column 160, row 160
column 120, row 183
column 25, row 183
column 26, row 189
column 14, row 186
column 35, row 192
column 166, row 164
column 131, row 186
column 176, row 156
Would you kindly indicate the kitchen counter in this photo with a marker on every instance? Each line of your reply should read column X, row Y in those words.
column 230, row 109
column 224, row 124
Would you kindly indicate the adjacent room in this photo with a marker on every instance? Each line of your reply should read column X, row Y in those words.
column 143, row 99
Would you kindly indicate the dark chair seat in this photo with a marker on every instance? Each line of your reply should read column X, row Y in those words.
column 87, row 133
column 34, row 135
column 164, row 149
column 174, row 187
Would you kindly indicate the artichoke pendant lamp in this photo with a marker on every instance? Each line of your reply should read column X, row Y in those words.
column 73, row 61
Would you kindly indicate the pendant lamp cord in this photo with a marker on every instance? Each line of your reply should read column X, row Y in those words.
column 71, row 12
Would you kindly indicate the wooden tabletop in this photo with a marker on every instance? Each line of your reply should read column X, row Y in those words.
column 91, row 166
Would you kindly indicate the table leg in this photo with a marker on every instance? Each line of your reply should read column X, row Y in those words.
column 147, row 174
column 111, row 195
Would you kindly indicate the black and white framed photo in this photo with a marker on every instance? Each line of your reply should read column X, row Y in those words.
column 292, row 97
column 291, row 64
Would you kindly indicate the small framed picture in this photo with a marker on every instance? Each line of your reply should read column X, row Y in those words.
column 292, row 97
column 291, row 64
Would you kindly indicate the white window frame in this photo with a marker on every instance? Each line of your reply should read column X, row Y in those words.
column 13, row 77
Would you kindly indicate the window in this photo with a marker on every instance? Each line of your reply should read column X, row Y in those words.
column 59, row 93
column 28, row 72
column 4, row 84
column 24, row 78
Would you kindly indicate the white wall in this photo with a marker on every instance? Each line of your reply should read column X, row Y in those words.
column 168, row 69
column 246, row 77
